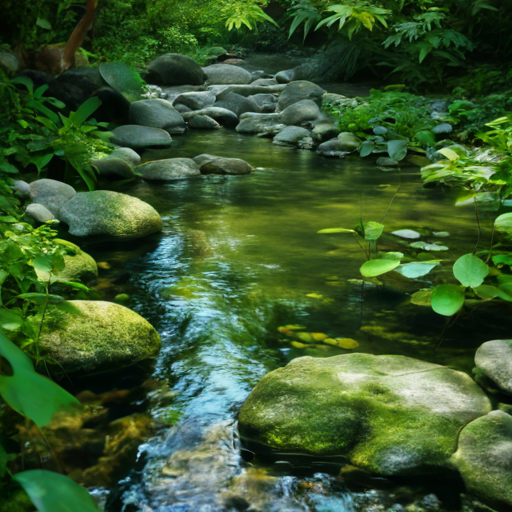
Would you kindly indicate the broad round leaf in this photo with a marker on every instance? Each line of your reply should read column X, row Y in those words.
column 503, row 224
column 422, row 298
column 52, row 492
column 374, row 268
column 416, row 269
column 123, row 78
column 470, row 270
column 447, row 299
column 373, row 230
column 407, row 233
column 397, row 149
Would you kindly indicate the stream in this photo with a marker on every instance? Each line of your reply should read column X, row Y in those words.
column 239, row 256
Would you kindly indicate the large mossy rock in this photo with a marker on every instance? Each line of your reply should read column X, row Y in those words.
column 175, row 69
column 90, row 336
column 390, row 415
column 78, row 264
column 110, row 214
column 494, row 360
column 484, row 459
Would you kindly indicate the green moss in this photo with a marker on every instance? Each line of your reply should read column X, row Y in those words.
column 78, row 264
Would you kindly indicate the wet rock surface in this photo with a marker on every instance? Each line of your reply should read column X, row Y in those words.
column 169, row 169
column 494, row 360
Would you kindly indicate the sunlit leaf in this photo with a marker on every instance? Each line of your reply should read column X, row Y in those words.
column 406, row 233
column 503, row 224
column 447, row 299
column 416, row 269
column 335, row 230
column 374, row 268
column 422, row 298
column 470, row 270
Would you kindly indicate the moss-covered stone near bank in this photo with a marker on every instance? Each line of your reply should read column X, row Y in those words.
column 78, row 264
column 390, row 415
column 89, row 336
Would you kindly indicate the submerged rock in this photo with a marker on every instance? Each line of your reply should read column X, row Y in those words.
column 227, row 74
column 108, row 213
column 139, row 137
column 484, row 458
column 113, row 167
column 90, row 336
column 494, row 360
column 291, row 136
column 301, row 112
column 221, row 115
column 170, row 169
column 51, row 194
column 175, row 69
column 210, row 164
column 298, row 91
column 157, row 113
column 390, row 415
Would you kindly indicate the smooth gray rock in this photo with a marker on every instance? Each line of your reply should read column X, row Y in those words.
column 175, row 69
column 291, row 136
column 388, row 415
column 443, row 129
column 223, row 116
column 267, row 102
column 9, row 62
column 342, row 145
column 203, row 122
column 238, row 104
column 111, row 214
column 171, row 92
column 298, row 91
column 22, row 188
column 484, row 459
column 51, row 193
column 157, row 113
column 219, row 165
column 140, row 137
column 324, row 131
column 226, row 74
column 127, row 154
column 245, row 90
column 170, row 169
column 494, row 360
column 259, row 123
column 265, row 82
column 113, row 167
column 301, row 112
column 182, row 109
column 195, row 100
column 349, row 141
column 39, row 212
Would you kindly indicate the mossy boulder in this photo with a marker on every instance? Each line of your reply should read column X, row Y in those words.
column 484, row 459
column 390, row 415
column 78, row 264
column 85, row 337
column 111, row 214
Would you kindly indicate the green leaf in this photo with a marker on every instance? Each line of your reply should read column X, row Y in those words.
column 422, row 298
column 503, row 224
column 366, row 148
column 123, row 78
column 374, row 268
column 372, row 230
column 3, row 461
column 335, row 230
column 41, row 22
column 41, row 298
column 52, row 492
column 502, row 259
column 428, row 247
column 397, row 149
column 10, row 318
column 85, row 110
column 406, row 233
column 487, row 292
column 416, row 269
column 447, row 299
column 505, row 290
column 470, row 270
column 449, row 153
column 36, row 397
column 26, row 81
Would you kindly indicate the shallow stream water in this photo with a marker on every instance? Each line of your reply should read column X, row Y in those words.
column 239, row 257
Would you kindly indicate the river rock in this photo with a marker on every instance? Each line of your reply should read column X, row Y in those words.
column 127, row 154
column 259, row 123
column 291, row 136
column 108, row 213
column 175, row 69
column 223, row 116
column 237, row 104
column 170, row 169
column 140, row 137
column 79, row 266
column 389, row 415
column 51, row 193
column 90, row 336
column 195, row 100
column 203, row 122
column 324, row 131
column 301, row 112
column 267, row 102
column 484, row 459
column 113, row 167
column 209, row 164
column 494, row 360
column 39, row 212
column 227, row 74
column 9, row 62
column 265, row 82
column 157, row 113
column 298, row 91
column 245, row 90
column 22, row 188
